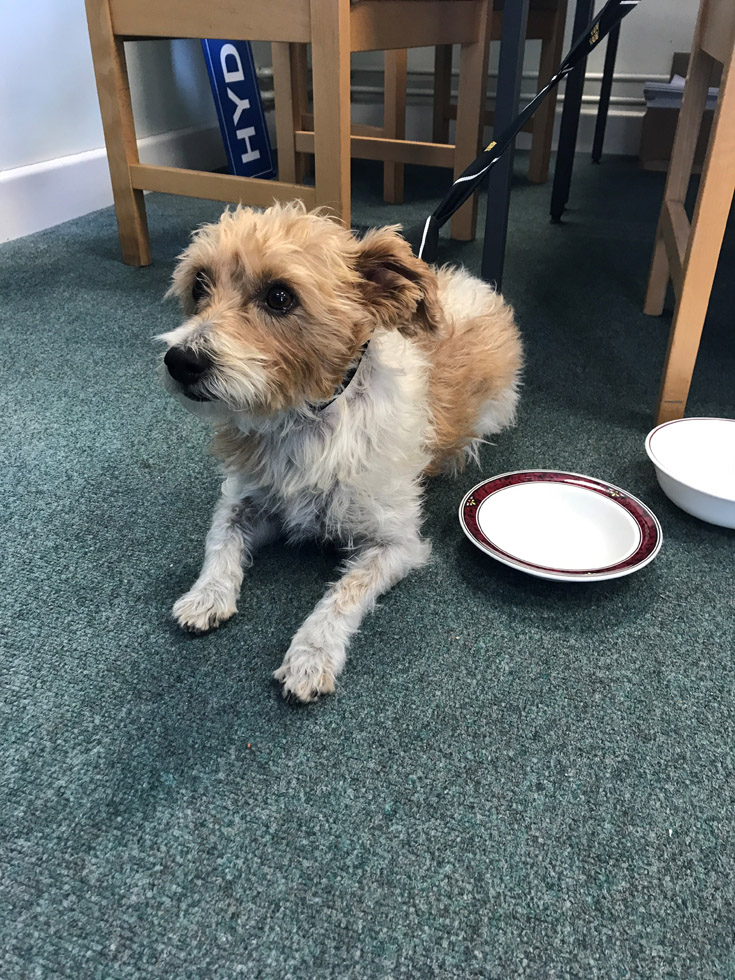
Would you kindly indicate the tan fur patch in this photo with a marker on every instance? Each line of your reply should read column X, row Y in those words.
column 398, row 287
column 473, row 360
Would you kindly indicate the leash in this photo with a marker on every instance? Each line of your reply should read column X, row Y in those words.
column 465, row 185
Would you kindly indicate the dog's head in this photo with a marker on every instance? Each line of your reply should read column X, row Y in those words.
column 278, row 304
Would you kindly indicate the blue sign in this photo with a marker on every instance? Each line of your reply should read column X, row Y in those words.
column 236, row 94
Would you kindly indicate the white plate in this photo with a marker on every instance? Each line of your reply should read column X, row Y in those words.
column 562, row 526
column 695, row 466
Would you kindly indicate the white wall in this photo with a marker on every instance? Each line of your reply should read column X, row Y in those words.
column 47, row 92
column 650, row 35
column 52, row 160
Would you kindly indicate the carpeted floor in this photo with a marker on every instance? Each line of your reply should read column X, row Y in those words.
column 515, row 779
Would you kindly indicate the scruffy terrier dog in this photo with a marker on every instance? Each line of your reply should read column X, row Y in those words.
column 279, row 307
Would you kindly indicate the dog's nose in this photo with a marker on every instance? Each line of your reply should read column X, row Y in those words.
column 185, row 365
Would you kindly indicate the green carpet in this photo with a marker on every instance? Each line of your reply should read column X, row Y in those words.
column 515, row 778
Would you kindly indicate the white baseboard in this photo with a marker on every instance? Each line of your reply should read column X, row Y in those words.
column 45, row 194
column 622, row 133
column 622, row 136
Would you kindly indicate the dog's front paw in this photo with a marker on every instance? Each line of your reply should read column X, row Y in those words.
column 308, row 671
column 203, row 608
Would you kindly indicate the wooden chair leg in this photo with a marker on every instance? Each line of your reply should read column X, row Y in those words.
column 285, row 110
column 680, row 169
column 394, row 120
column 470, row 118
column 442, row 92
column 300, row 82
column 290, row 82
column 708, row 228
column 331, row 80
column 543, row 123
column 113, row 89
column 658, row 277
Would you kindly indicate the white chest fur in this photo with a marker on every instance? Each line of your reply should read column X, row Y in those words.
column 353, row 472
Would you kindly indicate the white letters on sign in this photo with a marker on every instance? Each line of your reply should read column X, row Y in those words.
column 232, row 75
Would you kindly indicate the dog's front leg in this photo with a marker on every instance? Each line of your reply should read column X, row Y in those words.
column 319, row 648
column 237, row 531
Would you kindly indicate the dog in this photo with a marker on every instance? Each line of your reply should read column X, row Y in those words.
column 338, row 373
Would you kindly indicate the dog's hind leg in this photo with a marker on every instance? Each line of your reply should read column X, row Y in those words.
column 237, row 531
column 318, row 650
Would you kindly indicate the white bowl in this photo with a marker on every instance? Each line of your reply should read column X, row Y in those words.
column 561, row 526
column 695, row 466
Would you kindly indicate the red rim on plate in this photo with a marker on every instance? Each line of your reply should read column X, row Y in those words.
column 648, row 526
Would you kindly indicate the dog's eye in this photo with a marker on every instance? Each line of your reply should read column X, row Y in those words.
column 201, row 286
column 279, row 298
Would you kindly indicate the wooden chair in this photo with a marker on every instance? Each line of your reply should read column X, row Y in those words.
column 333, row 29
column 546, row 23
column 380, row 25
column 687, row 254
column 291, row 81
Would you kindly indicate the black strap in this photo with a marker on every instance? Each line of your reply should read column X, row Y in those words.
column 610, row 15
column 351, row 372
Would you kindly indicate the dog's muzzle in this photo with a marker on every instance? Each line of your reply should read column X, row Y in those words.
column 189, row 368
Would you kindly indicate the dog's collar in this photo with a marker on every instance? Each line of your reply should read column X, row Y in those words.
column 345, row 382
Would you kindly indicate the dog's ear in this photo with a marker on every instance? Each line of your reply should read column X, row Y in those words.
column 400, row 289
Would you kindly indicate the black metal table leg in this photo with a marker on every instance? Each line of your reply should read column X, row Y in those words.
column 570, row 119
column 510, row 68
column 605, row 88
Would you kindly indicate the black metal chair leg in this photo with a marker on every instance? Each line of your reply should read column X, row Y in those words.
column 605, row 89
column 570, row 120
column 510, row 69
